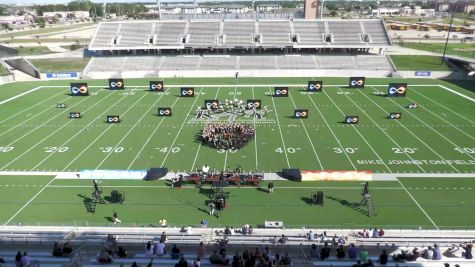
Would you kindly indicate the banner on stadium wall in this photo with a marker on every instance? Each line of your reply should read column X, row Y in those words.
column 423, row 73
column 59, row 75
column 337, row 176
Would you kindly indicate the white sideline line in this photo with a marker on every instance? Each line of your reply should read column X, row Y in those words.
column 238, row 85
column 280, row 129
column 417, row 203
column 150, row 137
column 130, row 130
column 457, row 93
column 24, row 110
column 27, row 203
column 243, row 187
column 308, row 136
column 456, row 113
column 384, row 132
column 20, row 95
column 403, row 126
column 181, row 128
column 199, row 146
column 103, row 132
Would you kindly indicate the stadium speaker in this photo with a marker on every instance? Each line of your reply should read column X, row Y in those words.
column 117, row 197
column 319, row 198
column 156, row 173
column 292, row 174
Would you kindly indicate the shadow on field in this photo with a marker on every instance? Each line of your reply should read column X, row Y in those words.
column 307, row 200
column 352, row 205
column 89, row 203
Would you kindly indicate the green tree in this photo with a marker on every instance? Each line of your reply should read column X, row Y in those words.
column 333, row 13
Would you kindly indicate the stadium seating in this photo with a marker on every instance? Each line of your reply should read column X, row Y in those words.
column 134, row 34
column 345, row 32
column 238, row 33
column 275, row 33
column 203, row 34
column 105, row 33
column 169, row 33
column 377, row 32
column 309, row 32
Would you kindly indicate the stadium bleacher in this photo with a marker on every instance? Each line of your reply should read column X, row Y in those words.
column 238, row 33
column 203, row 33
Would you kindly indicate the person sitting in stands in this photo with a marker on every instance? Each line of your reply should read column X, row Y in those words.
column 182, row 262
column 383, row 258
column 216, row 258
column 204, row 223
column 163, row 237
column 325, row 251
column 286, row 260
column 427, row 253
column 57, row 251
column 18, row 259
column 357, row 264
column 251, row 230
column 311, row 235
column 237, row 260
column 375, row 232
column 227, row 231
column 314, row 253
column 67, row 248
column 245, row 229
column 201, row 250
column 163, row 222
column 197, row 262
column 437, row 255
column 149, row 249
column 467, row 254
column 232, row 231
column 175, row 253
column 283, row 239
column 381, row 232
column 25, row 259
column 369, row 263
column 353, row 252
column 134, row 264
column 363, row 254
column 160, row 249
column 340, row 252
column 104, row 257
column 122, row 252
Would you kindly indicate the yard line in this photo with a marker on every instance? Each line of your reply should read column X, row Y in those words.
column 255, row 132
column 403, row 126
column 379, row 127
column 39, row 142
column 37, row 114
column 76, row 134
column 150, row 137
column 280, row 129
column 457, row 93
column 24, row 110
column 417, row 203
column 308, row 136
column 353, row 126
column 29, row 201
column 448, row 122
column 105, row 130
column 181, row 128
column 20, row 95
column 199, row 147
column 456, row 113
column 130, row 130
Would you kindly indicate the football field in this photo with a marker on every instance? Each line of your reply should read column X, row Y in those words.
column 438, row 137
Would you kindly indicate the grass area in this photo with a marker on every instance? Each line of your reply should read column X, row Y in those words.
column 33, row 50
column 60, row 64
column 409, row 19
column 48, row 40
column 69, row 202
column 456, row 49
column 422, row 63
column 47, row 29
column 3, row 70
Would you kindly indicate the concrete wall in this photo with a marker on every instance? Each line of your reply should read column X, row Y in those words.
column 24, row 65
column 435, row 75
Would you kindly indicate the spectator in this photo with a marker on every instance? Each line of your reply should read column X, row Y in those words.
column 383, row 258
column 163, row 237
column 363, row 254
column 201, row 250
column 353, row 252
column 325, row 251
column 18, row 259
column 369, row 263
column 428, row 253
column 357, row 264
column 311, row 236
column 104, row 257
column 134, row 264
column 237, row 260
column 251, row 230
column 286, row 260
column 204, row 223
column 197, row 262
column 122, row 252
column 283, row 239
column 340, row 252
column 227, row 231
column 67, row 248
column 216, row 258
column 1, row 261
column 175, row 253
column 468, row 251
column 160, row 249
column 381, row 232
column 437, row 255
column 375, row 232
column 341, row 241
column 223, row 243
column 149, row 249
column 245, row 229
column 115, row 217
column 182, row 262
column 314, row 253
column 57, row 251
column 25, row 259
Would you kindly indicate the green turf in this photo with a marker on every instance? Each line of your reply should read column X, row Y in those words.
column 44, row 30
column 33, row 50
column 456, row 49
column 49, row 40
column 421, row 63
column 36, row 136
column 3, row 70
column 60, row 64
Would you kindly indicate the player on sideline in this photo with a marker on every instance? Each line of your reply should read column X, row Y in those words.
column 97, row 192
column 115, row 217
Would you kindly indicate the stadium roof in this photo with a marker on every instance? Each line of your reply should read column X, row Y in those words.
column 137, row 35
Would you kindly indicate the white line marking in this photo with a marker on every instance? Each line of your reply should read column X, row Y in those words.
column 379, row 127
column 20, row 95
column 235, row 187
column 308, row 136
column 457, row 93
column 103, row 132
column 456, row 113
column 280, row 129
column 130, row 130
column 181, row 128
column 24, row 110
column 27, row 203
column 417, row 203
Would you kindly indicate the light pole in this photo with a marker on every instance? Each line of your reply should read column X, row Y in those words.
column 447, row 40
